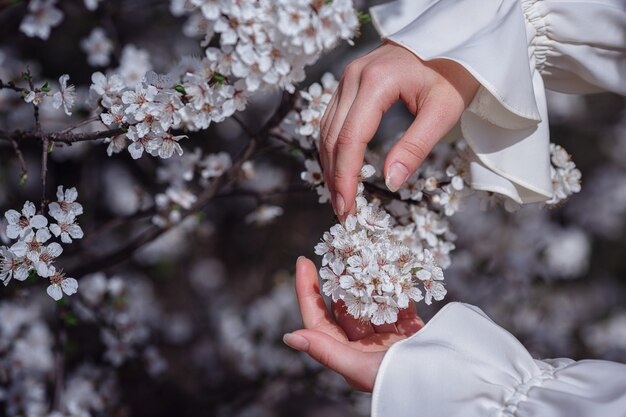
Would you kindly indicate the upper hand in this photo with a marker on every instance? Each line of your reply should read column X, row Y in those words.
column 353, row 348
column 436, row 92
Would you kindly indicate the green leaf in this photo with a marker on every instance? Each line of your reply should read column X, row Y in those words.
column 25, row 76
column 71, row 319
column 45, row 88
column 23, row 178
column 32, row 276
column 364, row 17
column 181, row 89
column 218, row 78
column 296, row 152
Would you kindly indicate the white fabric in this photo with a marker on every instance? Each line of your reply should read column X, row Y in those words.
column 512, row 48
column 462, row 364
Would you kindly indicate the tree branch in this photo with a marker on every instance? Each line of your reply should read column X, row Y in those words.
column 153, row 231
column 61, row 137
column 20, row 158
column 11, row 86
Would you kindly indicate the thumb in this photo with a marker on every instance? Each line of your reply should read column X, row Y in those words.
column 359, row 368
column 432, row 122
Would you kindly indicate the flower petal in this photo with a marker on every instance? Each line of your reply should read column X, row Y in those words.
column 69, row 285
column 19, row 248
column 39, row 221
column 54, row 250
column 12, row 216
column 55, row 292
column 29, row 209
column 71, row 194
column 13, row 231
column 43, row 235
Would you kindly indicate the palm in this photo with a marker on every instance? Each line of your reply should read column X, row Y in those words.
column 349, row 346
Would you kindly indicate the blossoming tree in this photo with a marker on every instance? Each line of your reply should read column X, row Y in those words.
column 248, row 57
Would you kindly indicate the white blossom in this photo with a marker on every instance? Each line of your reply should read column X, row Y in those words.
column 264, row 214
column 97, row 46
column 42, row 260
column 66, row 228
column 32, row 245
column 214, row 165
column 60, row 284
column 66, row 203
column 92, row 4
column 12, row 266
column 66, row 96
column 41, row 18
column 313, row 174
column 20, row 224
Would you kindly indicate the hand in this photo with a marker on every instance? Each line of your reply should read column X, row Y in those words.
column 436, row 92
column 350, row 347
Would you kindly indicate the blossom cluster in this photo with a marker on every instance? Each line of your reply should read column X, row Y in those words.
column 262, row 45
column 268, row 43
column 33, row 253
column 126, row 312
column 178, row 174
column 303, row 126
column 366, row 265
column 43, row 15
column 565, row 176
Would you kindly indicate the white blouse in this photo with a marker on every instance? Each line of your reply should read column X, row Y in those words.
column 461, row 364
column 515, row 49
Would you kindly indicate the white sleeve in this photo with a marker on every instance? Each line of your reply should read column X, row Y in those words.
column 461, row 364
column 514, row 48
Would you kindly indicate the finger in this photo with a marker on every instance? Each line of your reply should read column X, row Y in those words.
column 432, row 122
column 354, row 329
column 326, row 152
column 312, row 307
column 328, row 114
column 359, row 367
column 358, row 129
column 409, row 322
column 349, row 91
column 385, row 328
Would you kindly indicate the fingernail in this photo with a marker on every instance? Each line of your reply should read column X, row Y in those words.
column 296, row 342
column 300, row 258
column 397, row 175
column 340, row 205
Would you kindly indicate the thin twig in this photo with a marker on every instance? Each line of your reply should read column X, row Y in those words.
column 44, row 171
column 229, row 177
column 243, row 125
column 20, row 158
column 83, row 123
column 11, row 86
column 264, row 197
column 61, row 137
column 35, row 105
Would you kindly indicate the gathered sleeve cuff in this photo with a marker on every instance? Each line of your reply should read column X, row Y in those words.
column 579, row 46
column 462, row 364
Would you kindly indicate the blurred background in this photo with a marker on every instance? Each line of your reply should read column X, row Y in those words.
column 191, row 323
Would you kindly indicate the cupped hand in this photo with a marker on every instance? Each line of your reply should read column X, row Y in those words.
column 436, row 92
column 353, row 348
